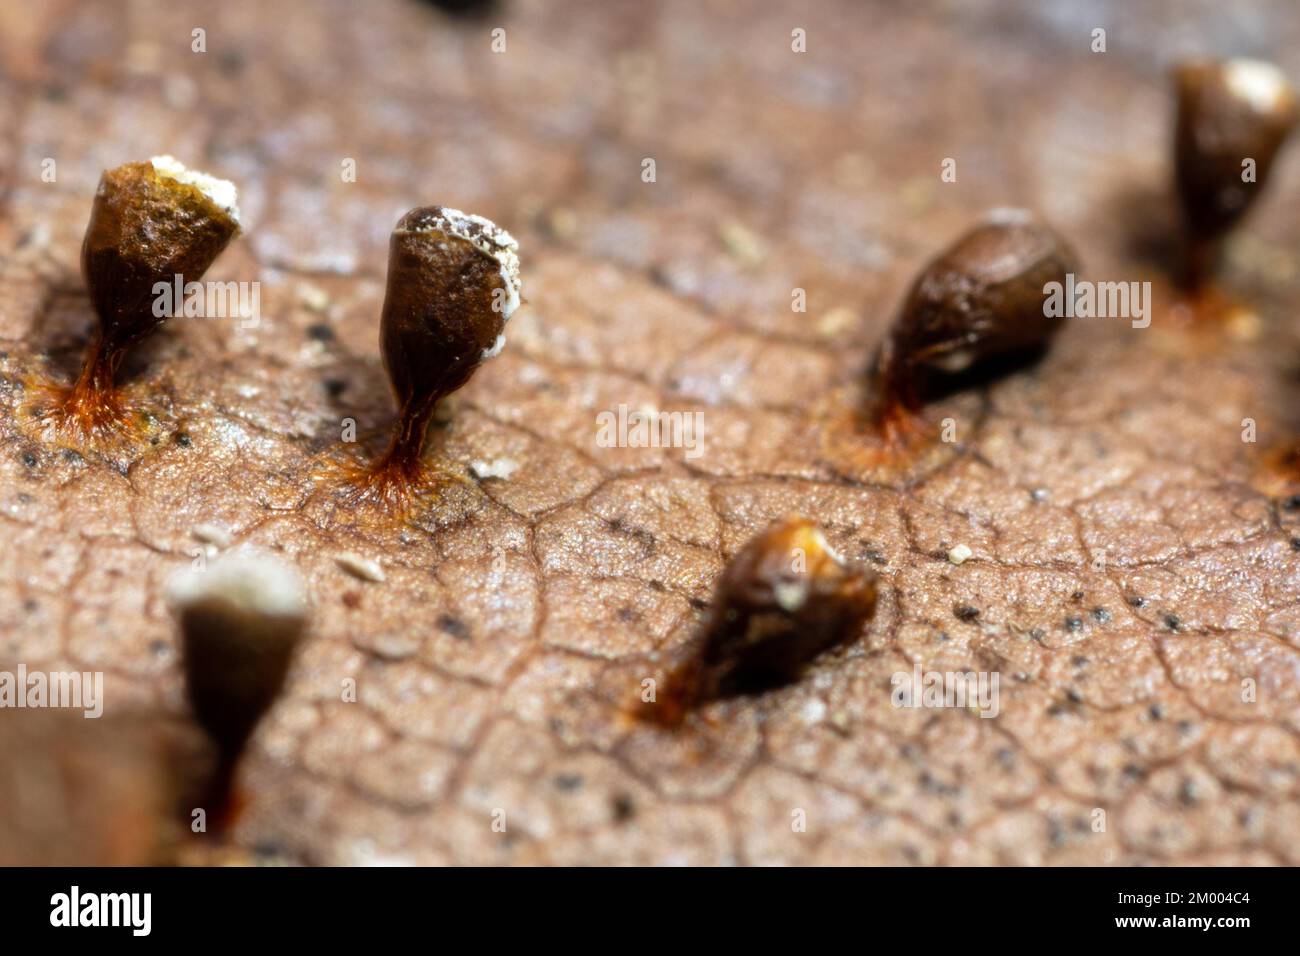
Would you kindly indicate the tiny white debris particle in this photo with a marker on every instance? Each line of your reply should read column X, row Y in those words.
column 814, row 711
column 960, row 554
column 836, row 322
column 212, row 534
column 497, row 468
column 394, row 647
column 741, row 243
column 1008, row 216
column 313, row 297
column 359, row 567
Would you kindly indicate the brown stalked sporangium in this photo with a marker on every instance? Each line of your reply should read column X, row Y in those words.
column 1233, row 117
column 241, row 620
column 785, row 598
column 453, row 282
column 149, row 223
column 982, row 298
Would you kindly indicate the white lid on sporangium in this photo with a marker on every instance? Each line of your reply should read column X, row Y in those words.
column 488, row 238
column 251, row 582
column 222, row 192
column 1260, row 84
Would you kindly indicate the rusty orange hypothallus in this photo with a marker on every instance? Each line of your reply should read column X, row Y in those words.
column 149, row 223
column 241, row 619
column 1233, row 117
column 453, row 282
column 785, row 598
column 982, row 300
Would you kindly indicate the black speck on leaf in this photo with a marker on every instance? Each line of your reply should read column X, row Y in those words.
column 231, row 62
column 267, row 851
column 1055, row 832
column 622, row 808
column 568, row 781
column 465, row 8
column 454, row 626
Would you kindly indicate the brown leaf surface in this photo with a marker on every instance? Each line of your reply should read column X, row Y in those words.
column 1128, row 569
